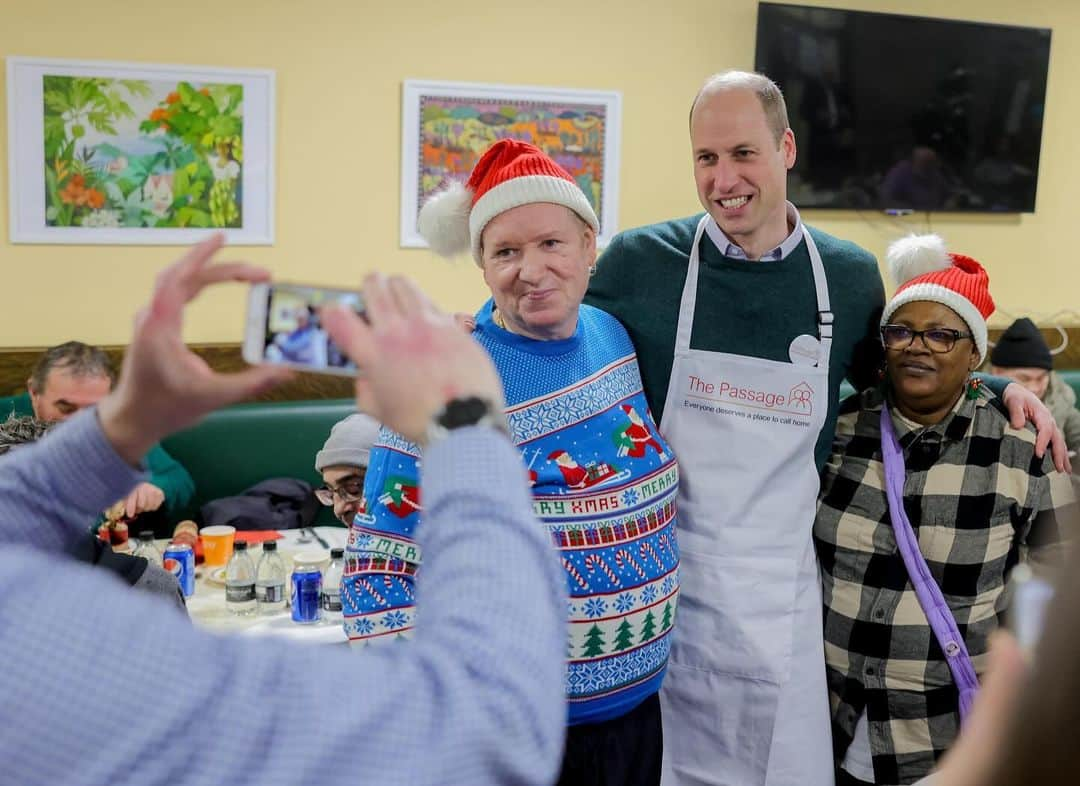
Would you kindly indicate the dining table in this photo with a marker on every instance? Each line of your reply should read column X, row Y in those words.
column 207, row 607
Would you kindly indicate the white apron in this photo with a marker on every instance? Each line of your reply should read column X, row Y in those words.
column 744, row 700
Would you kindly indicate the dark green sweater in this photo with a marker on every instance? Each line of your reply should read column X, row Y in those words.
column 165, row 472
column 743, row 308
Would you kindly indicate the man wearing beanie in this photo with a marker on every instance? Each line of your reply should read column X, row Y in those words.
column 1022, row 355
column 908, row 615
column 343, row 462
column 746, row 321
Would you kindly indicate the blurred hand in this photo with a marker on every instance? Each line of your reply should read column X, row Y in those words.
column 143, row 498
column 1024, row 406
column 163, row 386
column 466, row 322
column 973, row 759
column 412, row 357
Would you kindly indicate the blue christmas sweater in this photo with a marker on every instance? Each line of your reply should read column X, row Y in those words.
column 604, row 484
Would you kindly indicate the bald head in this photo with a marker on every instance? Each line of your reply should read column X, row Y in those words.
column 766, row 91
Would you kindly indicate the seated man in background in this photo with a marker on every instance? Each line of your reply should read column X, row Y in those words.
column 343, row 463
column 262, row 711
column 1022, row 355
column 74, row 375
column 17, row 431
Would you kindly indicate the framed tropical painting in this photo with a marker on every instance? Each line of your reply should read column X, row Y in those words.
column 104, row 152
column 446, row 126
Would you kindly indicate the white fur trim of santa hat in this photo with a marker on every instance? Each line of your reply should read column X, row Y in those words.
column 527, row 190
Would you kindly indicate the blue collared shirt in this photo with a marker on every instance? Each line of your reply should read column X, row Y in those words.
column 102, row 684
column 730, row 249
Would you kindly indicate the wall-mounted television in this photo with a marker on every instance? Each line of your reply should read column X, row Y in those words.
column 896, row 112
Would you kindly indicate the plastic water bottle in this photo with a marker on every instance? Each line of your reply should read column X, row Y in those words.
column 146, row 548
column 331, row 586
column 240, row 582
column 270, row 580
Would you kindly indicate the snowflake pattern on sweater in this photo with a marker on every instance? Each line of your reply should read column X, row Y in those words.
column 604, row 484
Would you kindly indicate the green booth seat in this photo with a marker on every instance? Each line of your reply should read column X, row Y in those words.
column 236, row 447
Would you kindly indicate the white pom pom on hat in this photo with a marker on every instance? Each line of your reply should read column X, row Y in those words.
column 509, row 174
column 444, row 220
column 924, row 270
column 916, row 255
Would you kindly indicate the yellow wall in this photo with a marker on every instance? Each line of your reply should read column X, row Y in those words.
column 339, row 67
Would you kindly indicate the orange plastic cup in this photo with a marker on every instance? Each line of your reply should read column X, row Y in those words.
column 217, row 543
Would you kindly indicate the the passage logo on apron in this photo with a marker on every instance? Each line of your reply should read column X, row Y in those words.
column 743, row 401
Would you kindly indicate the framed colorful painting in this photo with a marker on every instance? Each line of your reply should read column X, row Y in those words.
column 103, row 152
column 446, row 126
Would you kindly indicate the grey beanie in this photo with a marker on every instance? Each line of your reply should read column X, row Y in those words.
column 349, row 443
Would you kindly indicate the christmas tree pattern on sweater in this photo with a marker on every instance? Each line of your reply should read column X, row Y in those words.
column 604, row 485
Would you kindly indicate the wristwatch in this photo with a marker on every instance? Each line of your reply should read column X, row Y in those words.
column 464, row 411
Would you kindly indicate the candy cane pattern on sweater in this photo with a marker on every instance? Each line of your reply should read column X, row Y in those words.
column 666, row 544
column 372, row 591
column 622, row 555
column 646, row 550
column 596, row 559
column 574, row 574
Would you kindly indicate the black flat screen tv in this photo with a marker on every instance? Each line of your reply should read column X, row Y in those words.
column 903, row 113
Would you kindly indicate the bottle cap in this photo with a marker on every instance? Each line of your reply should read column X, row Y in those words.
column 146, row 534
column 337, row 553
column 240, row 545
column 314, row 559
column 270, row 545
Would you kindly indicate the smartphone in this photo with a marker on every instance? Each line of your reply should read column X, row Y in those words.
column 283, row 327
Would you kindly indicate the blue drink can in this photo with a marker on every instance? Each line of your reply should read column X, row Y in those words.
column 179, row 559
column 305, row 595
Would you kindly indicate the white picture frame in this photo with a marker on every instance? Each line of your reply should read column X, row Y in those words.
column 589, row 135
column 124, row 197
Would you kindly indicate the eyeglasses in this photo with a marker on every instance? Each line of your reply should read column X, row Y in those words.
column 349, row 491
column 937, row 340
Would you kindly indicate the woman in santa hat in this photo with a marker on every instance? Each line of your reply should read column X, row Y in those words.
column 929, row 500
column 577, row 410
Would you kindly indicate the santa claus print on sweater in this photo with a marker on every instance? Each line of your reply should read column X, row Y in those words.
column 577, row 477
column 401, row 496
column 633, row 440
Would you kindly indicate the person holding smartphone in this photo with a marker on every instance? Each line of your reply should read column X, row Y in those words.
column 928, row 501
column 603, row 479
column 218, row 709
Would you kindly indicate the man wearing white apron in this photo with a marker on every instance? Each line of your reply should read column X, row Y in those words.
column 747, row 554
column 745, row 322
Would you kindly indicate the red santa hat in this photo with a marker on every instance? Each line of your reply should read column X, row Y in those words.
column 923, row 270
column 508, row 175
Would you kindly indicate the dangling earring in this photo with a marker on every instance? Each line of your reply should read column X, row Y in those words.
column 972, row 388
column 882, row 370
column 592, row 270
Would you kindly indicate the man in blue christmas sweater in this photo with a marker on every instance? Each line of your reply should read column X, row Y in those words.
column 604, row 481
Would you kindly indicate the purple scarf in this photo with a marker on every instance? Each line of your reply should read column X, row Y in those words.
column 937, row 611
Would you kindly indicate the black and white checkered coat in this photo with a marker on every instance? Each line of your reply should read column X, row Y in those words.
column 979, row 501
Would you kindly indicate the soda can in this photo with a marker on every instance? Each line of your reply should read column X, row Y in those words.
column 305, row 595
column 179, row 559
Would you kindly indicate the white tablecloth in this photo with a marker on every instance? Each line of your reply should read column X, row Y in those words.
column 207, row 606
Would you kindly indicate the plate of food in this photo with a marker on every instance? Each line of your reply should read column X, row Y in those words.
column 215, row 575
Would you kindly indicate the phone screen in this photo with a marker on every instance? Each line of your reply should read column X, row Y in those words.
column 294, row 334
